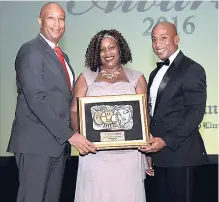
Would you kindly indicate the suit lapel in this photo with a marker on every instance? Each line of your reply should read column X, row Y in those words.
column 167, row 77
column 49, row 50
column 59, row 68
column 72, row 71
column 73, row 75
column 151, row 78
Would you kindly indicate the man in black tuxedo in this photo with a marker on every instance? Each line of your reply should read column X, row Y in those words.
column 177, row 99
column 41, row 130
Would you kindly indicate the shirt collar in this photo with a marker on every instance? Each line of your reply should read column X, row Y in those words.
column 173, row 56
column 51, row 44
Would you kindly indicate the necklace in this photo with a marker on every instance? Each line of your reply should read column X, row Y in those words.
column 108, row 75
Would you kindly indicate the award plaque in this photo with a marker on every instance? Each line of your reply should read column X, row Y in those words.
column 113, row 122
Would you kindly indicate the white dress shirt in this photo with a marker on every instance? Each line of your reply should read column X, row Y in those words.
column 52, row 45
column 156, row 82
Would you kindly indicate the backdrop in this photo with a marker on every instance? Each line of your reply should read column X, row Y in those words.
column 196, row 21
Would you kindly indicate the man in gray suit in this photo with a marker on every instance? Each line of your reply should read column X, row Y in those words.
column 41, row 130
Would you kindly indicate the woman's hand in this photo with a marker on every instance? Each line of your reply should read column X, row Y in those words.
column 149, row 171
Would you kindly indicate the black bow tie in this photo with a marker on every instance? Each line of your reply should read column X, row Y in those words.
column 165, row 62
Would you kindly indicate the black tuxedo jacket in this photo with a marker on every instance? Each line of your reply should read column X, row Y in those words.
column 179, row 109
column 42, row 118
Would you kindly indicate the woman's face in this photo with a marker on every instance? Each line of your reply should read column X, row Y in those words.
column 109, row 53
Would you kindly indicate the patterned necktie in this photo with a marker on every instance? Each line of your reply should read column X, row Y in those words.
column 58, row 51
column 165, row 62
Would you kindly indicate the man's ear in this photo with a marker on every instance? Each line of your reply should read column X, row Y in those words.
column 39, row 21
column 177, row 39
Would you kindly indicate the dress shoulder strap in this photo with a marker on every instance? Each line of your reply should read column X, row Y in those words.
column 89, row 76
column 132, row 76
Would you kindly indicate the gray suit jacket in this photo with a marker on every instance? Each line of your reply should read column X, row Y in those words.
column 42, row 118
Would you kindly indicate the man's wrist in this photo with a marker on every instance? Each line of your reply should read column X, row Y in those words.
column 75, row 130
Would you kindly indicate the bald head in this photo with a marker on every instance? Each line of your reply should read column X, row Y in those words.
column 164, row 39
column 168, row 26
column 52, row 21
column 48, row 6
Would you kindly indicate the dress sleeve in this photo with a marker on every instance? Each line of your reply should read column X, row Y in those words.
column 89, row 76
column 133, row 76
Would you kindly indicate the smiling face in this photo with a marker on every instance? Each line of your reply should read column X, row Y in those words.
column 109, row 54
column 52, row 22
column 164, row 40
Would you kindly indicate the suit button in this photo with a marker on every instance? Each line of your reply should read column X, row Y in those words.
column 154, row 123
column 56, row 135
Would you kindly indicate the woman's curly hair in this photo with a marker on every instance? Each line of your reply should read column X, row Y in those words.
column 92, row 56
